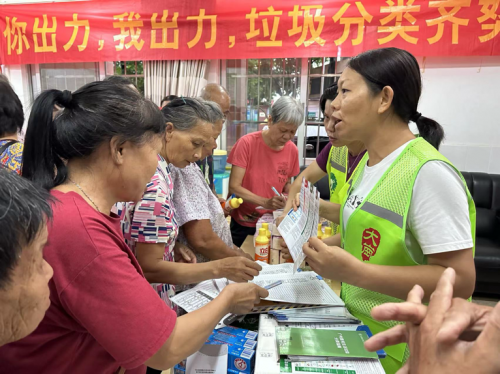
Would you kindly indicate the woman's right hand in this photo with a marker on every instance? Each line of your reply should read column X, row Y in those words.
column 275, row 202
column 237, row 269
column 242, row 297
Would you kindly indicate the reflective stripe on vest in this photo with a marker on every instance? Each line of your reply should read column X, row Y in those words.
column 375, row 231
column 336, row 170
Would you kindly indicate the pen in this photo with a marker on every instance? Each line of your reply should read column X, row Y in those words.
column 276, row 191
column 233, row 317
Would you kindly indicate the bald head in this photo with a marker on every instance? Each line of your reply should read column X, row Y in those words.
column 217, row 94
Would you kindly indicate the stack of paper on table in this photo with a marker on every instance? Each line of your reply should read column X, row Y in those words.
column 315, row 315
column 268, row 361
column 300, row 290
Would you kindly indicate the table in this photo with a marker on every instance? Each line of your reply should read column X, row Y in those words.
column 249, row 248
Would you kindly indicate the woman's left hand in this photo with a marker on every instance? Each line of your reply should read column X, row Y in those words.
column 329, row 262
column 184, row 254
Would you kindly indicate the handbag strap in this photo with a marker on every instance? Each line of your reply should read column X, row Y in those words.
column 7, row 145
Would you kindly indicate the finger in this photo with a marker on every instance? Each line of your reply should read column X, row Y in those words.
column 286, row 256
column 416, row 295
column 251, row 272
column 395, row 335
column 308, row 251
column 403, row 312
column 246, row 277
column 263, row 293
column 490, row 337
column 252, row 264
column 440, row 301
column 185, row 254
column 317, row 244
column 461, row 317
column 296, row 202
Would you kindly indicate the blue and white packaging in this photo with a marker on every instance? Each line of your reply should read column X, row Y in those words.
column 231, row 339
column 242, row 333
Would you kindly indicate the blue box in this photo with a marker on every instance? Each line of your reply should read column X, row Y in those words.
column 234, row 372
column 234, row 340
column 242, row 333
column 220, row 163
column 241, row 361
column 180, row 368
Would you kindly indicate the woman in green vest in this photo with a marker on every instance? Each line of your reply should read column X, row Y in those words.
column 406, row 213
column 338, row 160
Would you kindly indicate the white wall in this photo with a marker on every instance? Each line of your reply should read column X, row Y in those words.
column 463, row 95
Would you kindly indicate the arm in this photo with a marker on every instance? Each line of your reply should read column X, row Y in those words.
column 396, row 281
column 235, row 181
column 192, row 330
column 312, row 173
column 329, row 211
column 204, row 240
column 334, row 240
column 156, row 270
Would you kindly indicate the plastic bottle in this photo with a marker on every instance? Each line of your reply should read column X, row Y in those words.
column 328, row 232
column 235, row 202
column 265, row 225
column 320, row 233
column 262, row 246
column 232, row 203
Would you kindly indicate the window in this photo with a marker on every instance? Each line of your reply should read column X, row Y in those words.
column 68, row 76
column 133, row 70
column 254, row 85
column 323, row 72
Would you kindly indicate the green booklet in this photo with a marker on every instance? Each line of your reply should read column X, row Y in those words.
column 322, row 343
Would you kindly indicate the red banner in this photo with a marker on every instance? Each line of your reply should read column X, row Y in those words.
column 238, row 29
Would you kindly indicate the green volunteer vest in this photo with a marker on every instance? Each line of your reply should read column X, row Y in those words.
column 336, row 168
column 375, row 231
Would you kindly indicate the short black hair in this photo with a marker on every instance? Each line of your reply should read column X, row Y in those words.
column 11, row 109
column 169, row 98
column 117, row 79
column 329, row 94
column 24, row 210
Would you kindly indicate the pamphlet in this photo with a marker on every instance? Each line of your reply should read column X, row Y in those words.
column 297, row 227
column 322, row 343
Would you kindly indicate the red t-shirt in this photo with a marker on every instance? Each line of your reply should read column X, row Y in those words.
column 103, row 312
column 264, row 168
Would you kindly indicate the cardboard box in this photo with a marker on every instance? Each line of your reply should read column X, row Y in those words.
column 239, row 359
column 274, row 257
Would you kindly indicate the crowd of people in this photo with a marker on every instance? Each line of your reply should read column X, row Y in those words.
column 108, row 209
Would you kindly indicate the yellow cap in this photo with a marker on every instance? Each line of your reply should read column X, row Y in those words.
column 236, row 202
column 328, row 230
column 265, row 225
column 262, row 232
column 220, row 152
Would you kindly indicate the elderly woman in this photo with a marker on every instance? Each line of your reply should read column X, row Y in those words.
column 151, row 226
column 199, row 213
column 261, row 161
column 24, row 274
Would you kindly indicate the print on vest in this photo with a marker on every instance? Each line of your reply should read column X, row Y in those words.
column 333, row 183
column 370, row 243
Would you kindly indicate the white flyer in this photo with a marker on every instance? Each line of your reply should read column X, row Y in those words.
column 297, row 227
column 360, row 366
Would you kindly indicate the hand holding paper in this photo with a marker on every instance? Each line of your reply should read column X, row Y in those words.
column 330, row 262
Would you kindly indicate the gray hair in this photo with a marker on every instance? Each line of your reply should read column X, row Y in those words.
column 185, row 112
column 215, row 111
column 288, row 110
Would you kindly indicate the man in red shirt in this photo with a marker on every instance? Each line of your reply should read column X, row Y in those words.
column 261, row 161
